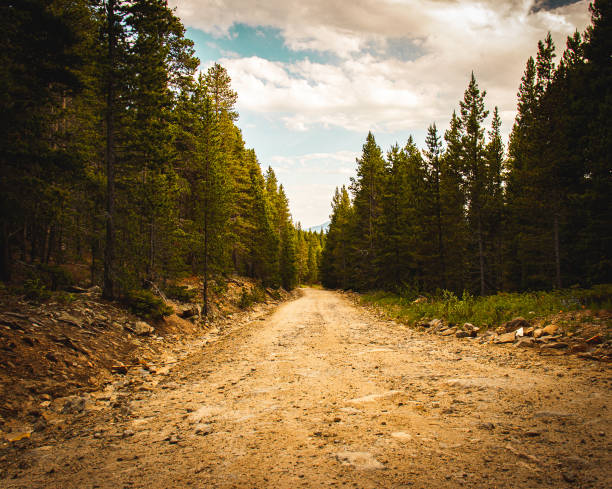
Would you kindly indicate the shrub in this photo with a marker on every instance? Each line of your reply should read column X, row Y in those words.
column 257, row 294
column 144, row 303
column 55, row 277
column 181, row 293
column 34, row 289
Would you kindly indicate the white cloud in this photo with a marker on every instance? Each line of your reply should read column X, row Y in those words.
column 369, row 87
column 310, row 179
column 360, row 91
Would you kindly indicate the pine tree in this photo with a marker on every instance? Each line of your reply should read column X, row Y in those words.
column 433, row 153
column 367, row 191
column 223, row 97
column 336, row 256
column 473, row 114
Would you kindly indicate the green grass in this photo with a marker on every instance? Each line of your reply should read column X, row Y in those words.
column 490, row 310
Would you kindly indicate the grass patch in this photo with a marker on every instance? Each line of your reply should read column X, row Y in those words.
column 490, row 310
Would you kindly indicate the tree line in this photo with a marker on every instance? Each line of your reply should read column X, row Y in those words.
column 466, row 213
column 117, row 153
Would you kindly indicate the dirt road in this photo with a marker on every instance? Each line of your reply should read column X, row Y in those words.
column 323, row 394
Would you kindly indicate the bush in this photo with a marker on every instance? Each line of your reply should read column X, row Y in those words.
column 55, row 277
column 145, row 304
column 35, row 290
column 181, row 293
column 257, row 294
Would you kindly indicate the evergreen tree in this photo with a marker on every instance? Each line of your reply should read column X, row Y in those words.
column 473, row 114
column 367, row 191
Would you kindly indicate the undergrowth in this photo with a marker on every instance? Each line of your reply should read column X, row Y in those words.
column 490, row 310
column 258, row 294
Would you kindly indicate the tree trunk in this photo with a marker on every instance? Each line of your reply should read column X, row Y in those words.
column 109, row 250
column 5, row 253
column 481, row 257
column 440, row 241
column 557, row 252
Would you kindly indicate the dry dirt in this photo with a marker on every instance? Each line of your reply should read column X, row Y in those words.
column 323, row 393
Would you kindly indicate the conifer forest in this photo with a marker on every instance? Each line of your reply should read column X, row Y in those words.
column 119, row 154
column 167, row 322
column 466, row 213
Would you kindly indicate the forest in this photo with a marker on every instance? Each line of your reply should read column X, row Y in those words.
column 121, row 158
column 468, row 214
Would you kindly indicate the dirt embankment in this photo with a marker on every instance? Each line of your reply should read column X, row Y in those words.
column 322, row 393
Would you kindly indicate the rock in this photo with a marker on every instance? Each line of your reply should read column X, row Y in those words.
column 51, row 357
column 528, row 331
column 578, row 347
column 486, row 426
column 119, row 369
column 419, row 300
column 595, row 340
column 127, row 433
column 67, row 318
column 436, row 324
column 18, row 436
column 140, row 328
column 568, row 477
column 537, row 332
column 551, row 414
column 506, row 338
column 555, row 346
column 515, row 324
column 172, row 439
column 359, row 460
column 203, row 429
column 550, row 330
column 462, row 334
column 471, row 329
column 448, row 332
column 74, row 405
column 188, row 311
column 525, row 343
column 401, row 435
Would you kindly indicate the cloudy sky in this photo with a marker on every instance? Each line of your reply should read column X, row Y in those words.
column 313, row 76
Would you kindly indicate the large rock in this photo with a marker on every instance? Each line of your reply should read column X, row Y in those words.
column 515, row 324
column 74, row 405
column 141, row 328
column 506, row 338
column 188, row 311
column 550, row 330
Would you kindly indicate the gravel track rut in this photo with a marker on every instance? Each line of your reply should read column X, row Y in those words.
column 323, row 393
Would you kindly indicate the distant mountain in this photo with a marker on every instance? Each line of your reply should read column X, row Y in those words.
column 321, row 227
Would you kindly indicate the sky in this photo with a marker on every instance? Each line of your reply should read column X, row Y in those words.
column 314, row 76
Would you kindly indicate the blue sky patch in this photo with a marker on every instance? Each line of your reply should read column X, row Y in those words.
column 244, row 41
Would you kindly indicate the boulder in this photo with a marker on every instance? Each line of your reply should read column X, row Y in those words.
column 550, row 330
column 462, row 334
column 448, row 332
column 188, row 311
column 506, row 337
column 515, row 324
column 537, row 333
column 74, row 405
column 525, row 343
column 140, row 328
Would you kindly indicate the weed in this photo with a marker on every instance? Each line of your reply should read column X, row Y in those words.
column 493, row 309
